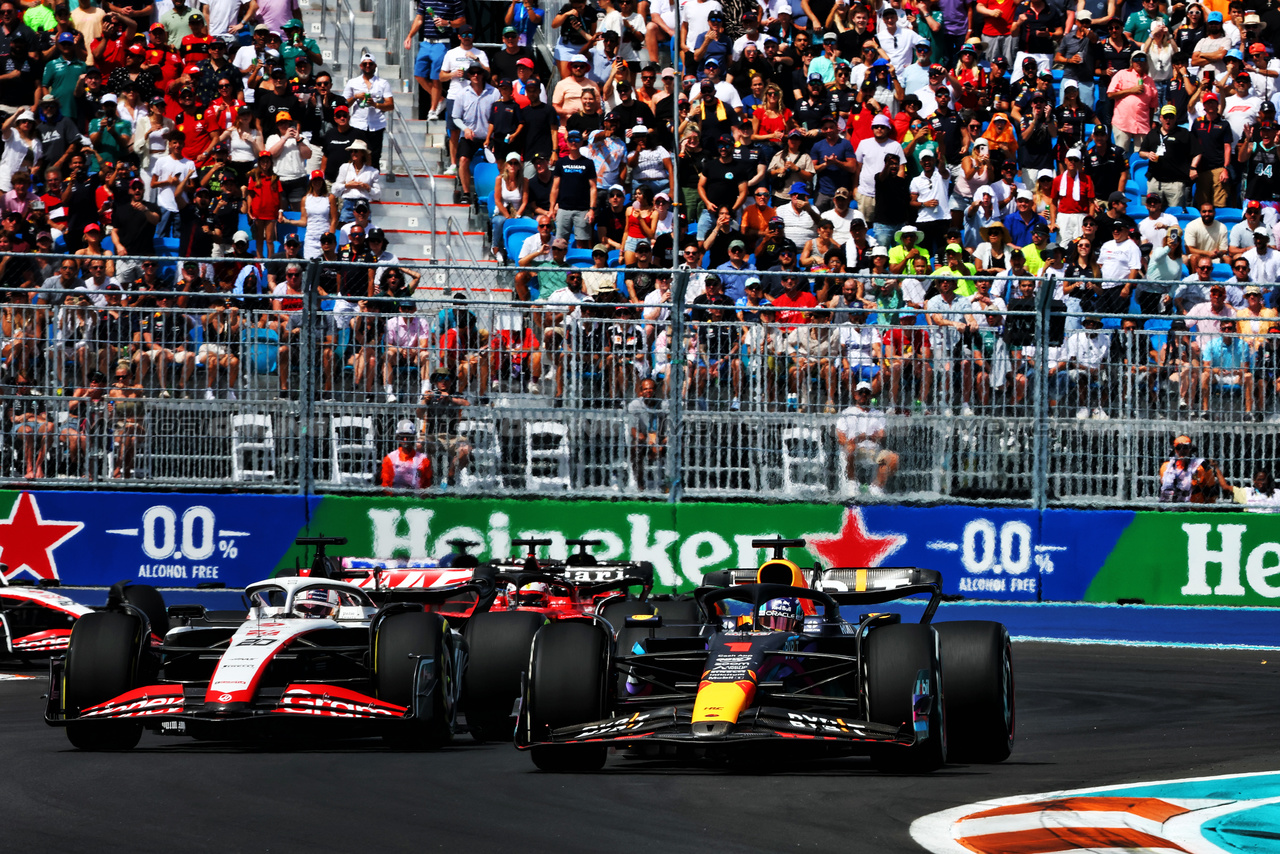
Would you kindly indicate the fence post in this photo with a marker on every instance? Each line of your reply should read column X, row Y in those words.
column 307, row 380
column 675, row 417
column 1040, row 397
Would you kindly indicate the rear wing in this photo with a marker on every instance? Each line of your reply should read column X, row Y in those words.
column 874, row 585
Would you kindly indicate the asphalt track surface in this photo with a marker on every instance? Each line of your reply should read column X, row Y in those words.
column 1087, row 716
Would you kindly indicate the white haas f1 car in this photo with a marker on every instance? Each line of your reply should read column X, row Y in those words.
column 772, row 664
column 36, row 621
column 315, row 656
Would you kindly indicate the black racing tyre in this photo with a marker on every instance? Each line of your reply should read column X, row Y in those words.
column 977, row 667
column 567, row 686
column 148, row 600
column 894, row 655
column 498, row 645
column 400, row 641
column 101, row 663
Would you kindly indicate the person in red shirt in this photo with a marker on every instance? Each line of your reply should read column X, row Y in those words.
column 1072, row 200
column 264, row 192
column 224, row 108
column 997, row 28
column 161, row 56
column 199, row 126
column 111, row 49
column 858, row 125
column 406, row 467
column 195, row 47
column 792, row 305
column 905, row 354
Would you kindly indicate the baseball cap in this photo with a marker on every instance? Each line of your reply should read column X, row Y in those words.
column 510, row 31
column 342, row 108
column 526, row 62
column 600, row 248
column 955, row 247
column 863, row 386
column 283, row 116
column 1069, row 84
column 1214, row 17
column 578, row 59
column 317, row 175
column 1025, row 194
column 737, row 244
column 841, row 193
column 559, row 243
column 1073, row 153
column 1251, row 290
column 815, row 78
column 1084, row 15
column 66, row 38
column 1117, row 196
column 261, row 28
column 240, row 237
column 1168, row 110
column 1181, row 440
column 1208, row 96
column 1262, row 231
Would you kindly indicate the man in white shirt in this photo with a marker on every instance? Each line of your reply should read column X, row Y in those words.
column 453, row 68
column 870, row 155
column 1157, row 222
column 1120, row 260
column 1264, row 262
column 725, row 91
column 841, row 215
column 860, row 431
column 1240, row 110
column 897, row 42
column 357, row 181
column 289, row 153
column 800, row 218
column 1205, row 237
column 369, row 97
column 168, row 171
column 693, row 20
column 1085, row 360
column 931, row 197
column 1240, row 238
column 250, row 55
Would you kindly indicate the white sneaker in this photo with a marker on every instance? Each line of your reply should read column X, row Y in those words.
column 534, row 388
column 874, row 489
column 452, row 170
column 435, row 114
column 966, row 411
column 1082, row 414
column 391, row 395
column 735, row 405
column 209, row 395
column 231, row 394
column 1100, row 415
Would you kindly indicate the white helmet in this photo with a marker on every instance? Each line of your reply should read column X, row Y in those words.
column 317, row 603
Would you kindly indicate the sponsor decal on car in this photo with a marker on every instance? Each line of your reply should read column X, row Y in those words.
column 334, row 702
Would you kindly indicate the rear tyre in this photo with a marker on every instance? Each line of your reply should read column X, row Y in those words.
column 615, row 613
column 101, row 664
column 400, row 641
column 977, row 661
column 683, row 613
column 895, row 654
column 567, row 680
column 148, row 600
column 498, row 645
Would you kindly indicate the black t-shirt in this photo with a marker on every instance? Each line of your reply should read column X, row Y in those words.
column 810, row 111
column 354, row 281
column 335, row 144
column 22, row 89
column 132, row 228
column 893, row 199
column 584, row 123
column 1036, row 34
column 576, row 179
column 1104, row 167
column 540, row 122
column 630, row 114
column 1208, row 138
column 723, row 180
column 267, row 104
column 540, row 193
column 572, row 31
column 1185, row 40
column 502, row 65
column 505, row 118
column 56, row 138
column 948, row 129
column 167, row 328
column 720, row 246
column 1071, row 122
column 1263, row 174
column 195, row 231
column 610, row 223
column 1036, row 150
column 1175, row 158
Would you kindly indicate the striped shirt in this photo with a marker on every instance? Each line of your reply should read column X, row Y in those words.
column 449, row 10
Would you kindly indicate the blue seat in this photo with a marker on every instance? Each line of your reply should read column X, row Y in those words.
column 525, row 223
column 1057, row 75
column 1221, row 272
column 167, row 246
column 483, row 174
column 514, row 234
column 1230, row 216
column 577, row 257
column 263, row 347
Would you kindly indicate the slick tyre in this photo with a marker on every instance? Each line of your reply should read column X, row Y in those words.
column 615, row 613
column 498, row 643
column 977, row 668
column 148, row 600
column 682, row 613
column 402, row 640
column 101, row 663
column 895, row 654
column 567, row 677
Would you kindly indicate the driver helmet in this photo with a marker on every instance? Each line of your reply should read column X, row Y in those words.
column 316, row 603
column 781, row 615
column 535, row 594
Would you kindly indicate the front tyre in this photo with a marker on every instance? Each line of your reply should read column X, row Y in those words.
column 101, row 664
column 567, row 685
column 895, row 655
column 401, row 643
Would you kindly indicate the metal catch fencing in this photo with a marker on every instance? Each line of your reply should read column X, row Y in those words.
column 249, row 375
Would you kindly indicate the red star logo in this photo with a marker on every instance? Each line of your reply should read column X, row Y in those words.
column 27, row 541
column 853, row 546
